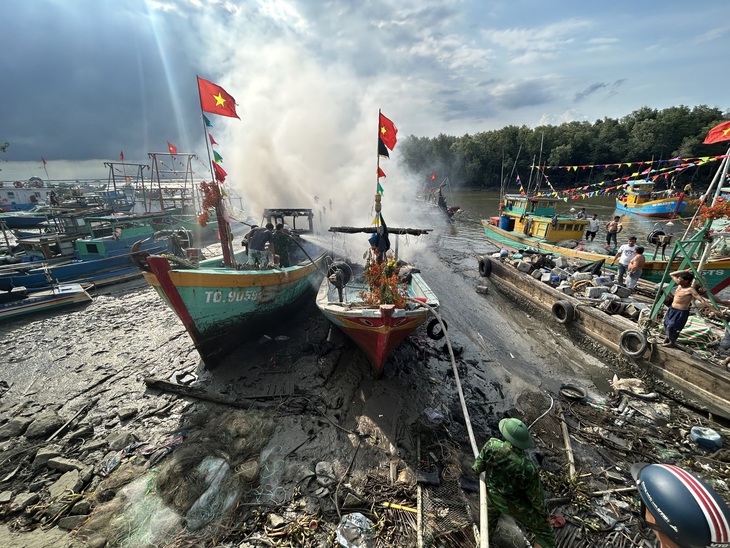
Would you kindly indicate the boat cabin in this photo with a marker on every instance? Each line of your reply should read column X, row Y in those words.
column 290, row 217
column 536, row 217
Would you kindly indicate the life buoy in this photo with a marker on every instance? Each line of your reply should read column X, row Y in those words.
column 633, row 343
column 485, row 267
column 564, row 312
column 434, row 330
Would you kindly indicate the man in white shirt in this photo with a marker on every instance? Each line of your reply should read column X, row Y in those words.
column 592, row 228
column 624, row 255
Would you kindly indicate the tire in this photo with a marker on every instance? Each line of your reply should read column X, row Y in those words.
column 633, row 343
column 653, row 237
column 564, row 312
column 572, row 392
column 485, row 267
column 434, row 330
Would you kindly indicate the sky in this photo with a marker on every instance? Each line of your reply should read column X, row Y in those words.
column 84, row 80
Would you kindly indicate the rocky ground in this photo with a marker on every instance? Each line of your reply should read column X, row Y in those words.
column 113, row 434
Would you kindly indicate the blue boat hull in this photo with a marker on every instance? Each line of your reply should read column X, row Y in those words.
column 663, row 208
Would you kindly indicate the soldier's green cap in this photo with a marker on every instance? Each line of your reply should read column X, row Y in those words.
column 515, row 432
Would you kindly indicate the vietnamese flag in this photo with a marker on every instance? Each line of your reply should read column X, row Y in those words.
column 718, row 133
column 215, row 99
column 220, row 173
column 172, row 148
column 387, row 132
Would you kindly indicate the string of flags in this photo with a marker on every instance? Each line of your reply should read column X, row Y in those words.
column 387, row 138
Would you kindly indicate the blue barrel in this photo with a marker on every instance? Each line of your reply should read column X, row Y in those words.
column 504, row 222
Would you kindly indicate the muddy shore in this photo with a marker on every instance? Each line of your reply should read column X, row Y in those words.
column 300, row 434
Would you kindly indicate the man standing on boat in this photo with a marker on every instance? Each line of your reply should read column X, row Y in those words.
column 636, row 267
column 257, row 252
column 513, row 484
column 582, row 214
column 624, row 255
column 676, row 317
column 612, row 229
column 592, row 228
column 280, row 239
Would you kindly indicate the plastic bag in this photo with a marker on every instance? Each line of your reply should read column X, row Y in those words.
column 355, row 531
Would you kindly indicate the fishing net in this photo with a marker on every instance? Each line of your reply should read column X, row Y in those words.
column 188, row 499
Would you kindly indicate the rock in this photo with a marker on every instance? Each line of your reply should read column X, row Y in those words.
column 70, row 481
column 44, row 424
column 94, row 445
column 6, row 496
column 64, row 465
column 97, row 541
column 120, row 439
column 69, row 523
column 45, row 454
column 352, row 501
column 275, row 520
column 15, row 427
column 127, row 413
column 82, row 432
column 81, row 508
column 23, row 500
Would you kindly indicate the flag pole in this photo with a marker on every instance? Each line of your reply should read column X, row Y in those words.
column 224, row 228
column 378, row 196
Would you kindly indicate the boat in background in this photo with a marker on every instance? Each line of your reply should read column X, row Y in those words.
column 222, row 305
column 103, row 257
column 56, row 296
column 532, row 223
column 640, row 198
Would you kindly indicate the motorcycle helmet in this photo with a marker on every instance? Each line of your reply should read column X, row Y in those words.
column 685, row 508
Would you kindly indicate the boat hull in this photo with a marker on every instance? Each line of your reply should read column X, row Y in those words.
column 662, row 209
column 221, row 307
column 57, row 297
column 376, row 330
column 716, row 271
column 705, row 385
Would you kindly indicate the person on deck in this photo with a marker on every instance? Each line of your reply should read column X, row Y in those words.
column 280, row 239
column 592, row 228
column 624, row 255
column 513, row 484
column 582, row 214
column 677, row 315
column 613, row 227
column 636, row 267
column 257, row 239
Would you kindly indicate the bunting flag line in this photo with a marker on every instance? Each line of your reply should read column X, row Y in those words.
column 212, row 141
column 121, row 156
column 718, row 134
column 172, row 148
column 207, row 122
column 215, row 99
column 217, row 157
column 381, row 173
column 382, row 150
column 220, row 173
column 43, row 160
column 387, row 132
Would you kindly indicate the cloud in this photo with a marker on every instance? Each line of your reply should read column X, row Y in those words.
column 610, row 88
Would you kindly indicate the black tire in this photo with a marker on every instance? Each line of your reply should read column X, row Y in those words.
column 633, row 343
column 573, row 392
column 564, row 312
column 653, row 236
column 485, row 267
column 434, row 331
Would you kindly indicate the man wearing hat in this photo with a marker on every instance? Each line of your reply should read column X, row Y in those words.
column 513, row 484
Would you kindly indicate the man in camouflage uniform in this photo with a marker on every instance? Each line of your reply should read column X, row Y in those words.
column 513, row 484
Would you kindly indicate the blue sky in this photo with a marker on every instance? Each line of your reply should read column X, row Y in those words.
column 86, row 79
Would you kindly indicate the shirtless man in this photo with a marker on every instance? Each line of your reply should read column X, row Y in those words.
column 678, row 313
column 636, row 266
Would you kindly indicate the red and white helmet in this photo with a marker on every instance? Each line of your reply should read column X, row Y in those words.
column 685, row 508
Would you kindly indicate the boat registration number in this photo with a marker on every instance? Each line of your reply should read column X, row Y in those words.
column 233, row 296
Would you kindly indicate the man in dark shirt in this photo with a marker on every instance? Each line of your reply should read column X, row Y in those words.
column 257, row 240
column 281, row 245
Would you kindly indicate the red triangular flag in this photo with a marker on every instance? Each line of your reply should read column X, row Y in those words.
column 212, row 141
column 381, row 173
column 43, row 160
column 172, row 148
column 718, row 133
column 121, row 156
column 220, row 173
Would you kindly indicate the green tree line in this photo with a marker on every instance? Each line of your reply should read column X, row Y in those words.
column 484, row 160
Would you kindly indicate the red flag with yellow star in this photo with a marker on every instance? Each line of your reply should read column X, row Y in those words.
column 718, row 133
column 387, row 132
column 215, row 99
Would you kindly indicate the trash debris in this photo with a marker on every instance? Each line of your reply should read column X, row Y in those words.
column 355, row 531
column 706, row 437
column 434, row 416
